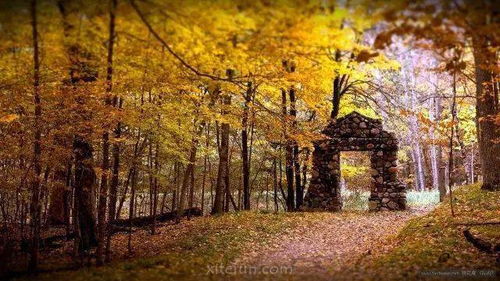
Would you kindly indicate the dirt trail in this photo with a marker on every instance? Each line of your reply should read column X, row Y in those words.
column 331, row 245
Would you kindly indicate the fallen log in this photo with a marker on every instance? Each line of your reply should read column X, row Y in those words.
column 479, row 223
column 121, row 225
column 55, row 241
column 148, row 220
column 51, row 242
column 480, row 244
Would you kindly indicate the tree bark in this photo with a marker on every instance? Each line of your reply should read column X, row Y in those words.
column 452, row 133
column 436, row 152
column 37, row 149
column 337, row 91
column 80, row 71
column 295, row 157
column 103, row 194
column 290, row 198
column 191, row 191
column 223, row 170
column 113, row 188
column 131, row 207
column 487, row 109
column 204, row 177
column 244, row 149
column 84, row 184
column 155, row 187
column 188, row 173
column 275, row 184
column 176, row 185
column 56, row 212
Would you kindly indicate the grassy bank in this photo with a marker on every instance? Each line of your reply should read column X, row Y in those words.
column 435, row 244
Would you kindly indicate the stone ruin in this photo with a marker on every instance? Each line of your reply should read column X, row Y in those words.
column 355, row 132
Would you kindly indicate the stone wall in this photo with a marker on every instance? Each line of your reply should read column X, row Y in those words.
column 355, row 132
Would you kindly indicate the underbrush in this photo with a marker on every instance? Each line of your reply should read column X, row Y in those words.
column 422, row 198
column 210, row 241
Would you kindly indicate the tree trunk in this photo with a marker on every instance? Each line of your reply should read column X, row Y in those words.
column 176, row 184
column 487, row 109
column 124, row 193
column 191, row 191
column 204, row 177
column 188, row 173
column 227, row 187
column 337, row 90
column 442, row 174
column 155, row 188
column 133, row 182
column 275, row 185
column 56, row 212
column 84, row 184
column 103, row 196
column 436, row 151
column 295, row 158
column 222, row 173
column 244, row 150
column 131, row 210
column 305, row 168
column 113, row 188
column 37, row 149
column 68, row 199
column 81, row 71
column 290, row 198
column 452, row 133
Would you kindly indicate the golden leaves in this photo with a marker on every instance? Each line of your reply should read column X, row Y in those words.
column 9, row 118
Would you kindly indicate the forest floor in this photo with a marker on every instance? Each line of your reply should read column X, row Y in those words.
column 305, row 246
column 329, row 246
column 419, row 244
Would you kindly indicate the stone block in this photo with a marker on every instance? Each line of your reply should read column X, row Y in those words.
column 373, row 205
column 393, row 205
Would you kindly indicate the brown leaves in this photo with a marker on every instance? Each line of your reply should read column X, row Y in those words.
column 365, row 56
column 390, row 15
column 383, row 39
column 455, row 66
column 324, row 243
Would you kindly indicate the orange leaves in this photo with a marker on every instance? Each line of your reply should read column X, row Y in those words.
column 404, row 112
column 424, row 119
column 9, row 118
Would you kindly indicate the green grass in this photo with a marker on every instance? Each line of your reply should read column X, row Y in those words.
column 422, row 198
column 355, row 200
column 436, row 242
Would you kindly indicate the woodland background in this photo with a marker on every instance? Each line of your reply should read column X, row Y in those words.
column 113, row 110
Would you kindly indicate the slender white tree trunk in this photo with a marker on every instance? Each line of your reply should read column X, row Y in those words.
column 409, row 88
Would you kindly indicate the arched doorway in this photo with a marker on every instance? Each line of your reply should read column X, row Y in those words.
column 355, row 132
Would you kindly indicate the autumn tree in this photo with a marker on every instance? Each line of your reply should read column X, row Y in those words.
column 449, row 24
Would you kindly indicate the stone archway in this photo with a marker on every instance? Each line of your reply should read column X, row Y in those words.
column 355, row 132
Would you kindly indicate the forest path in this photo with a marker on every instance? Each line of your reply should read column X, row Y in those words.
column 325, row 247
